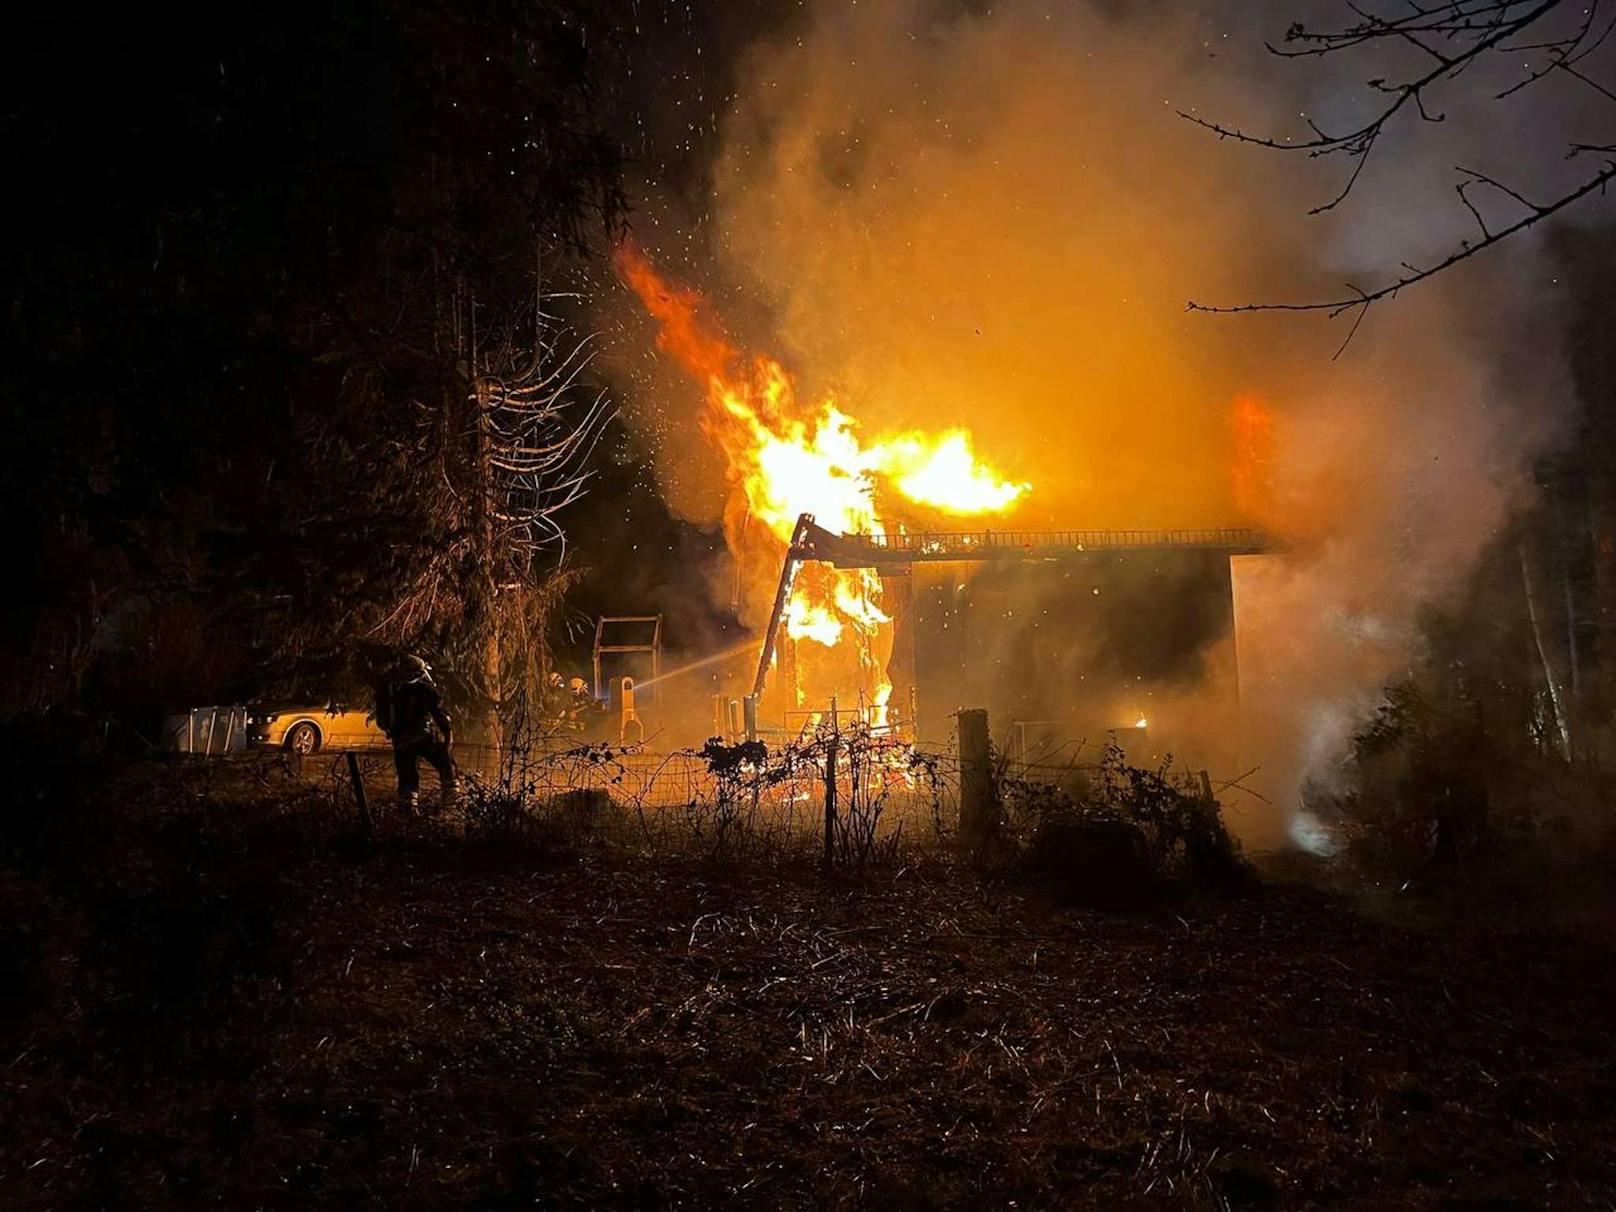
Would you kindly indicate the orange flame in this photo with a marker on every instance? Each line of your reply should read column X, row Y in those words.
column 785, row 458
column 1252, row 433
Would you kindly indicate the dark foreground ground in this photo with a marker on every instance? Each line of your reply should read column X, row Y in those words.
column 216, row 999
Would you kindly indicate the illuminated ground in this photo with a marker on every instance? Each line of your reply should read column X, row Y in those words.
column 218, row 1004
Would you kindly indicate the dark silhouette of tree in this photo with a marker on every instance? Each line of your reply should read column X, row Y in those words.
column 268, row 260
column 450, row 347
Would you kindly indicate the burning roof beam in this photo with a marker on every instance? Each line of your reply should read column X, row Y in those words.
column 888, row 550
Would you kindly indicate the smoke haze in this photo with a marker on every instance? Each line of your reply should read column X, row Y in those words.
column 993, row 219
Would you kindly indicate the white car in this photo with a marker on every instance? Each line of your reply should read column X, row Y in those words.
column 309, row 729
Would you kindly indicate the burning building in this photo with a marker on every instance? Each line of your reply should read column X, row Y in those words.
column 869, row 567
column 1066, row 637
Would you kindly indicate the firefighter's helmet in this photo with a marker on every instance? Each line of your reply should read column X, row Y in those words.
column 412, row 668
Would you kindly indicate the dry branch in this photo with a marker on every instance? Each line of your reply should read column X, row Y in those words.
column 1456, row 35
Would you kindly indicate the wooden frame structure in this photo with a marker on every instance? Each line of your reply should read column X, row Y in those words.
column 654, row 647
column 892, row 553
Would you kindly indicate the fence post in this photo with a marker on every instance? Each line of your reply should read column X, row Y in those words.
column 979, row 817
column 830, row 785
column 365, row 823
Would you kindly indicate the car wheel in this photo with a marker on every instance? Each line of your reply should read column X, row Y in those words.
column 304, row 738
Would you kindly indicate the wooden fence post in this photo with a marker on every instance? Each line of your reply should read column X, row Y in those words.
column 979, row 816
column 365, row 822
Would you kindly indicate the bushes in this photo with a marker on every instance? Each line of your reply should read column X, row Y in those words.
column 1093, row 860
column 1436, row 788
column 1117, row 836
column 775, row 802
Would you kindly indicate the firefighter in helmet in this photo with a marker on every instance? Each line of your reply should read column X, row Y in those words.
column 553, row 699
column 410, row 711
column 581, row 708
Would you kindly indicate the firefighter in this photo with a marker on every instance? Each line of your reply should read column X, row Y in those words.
column 554, row 700
column 407, row 707
column 581, row 703
column 582, row 710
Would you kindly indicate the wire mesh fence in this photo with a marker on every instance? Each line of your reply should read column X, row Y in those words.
column 850, row 796
column 866, row 793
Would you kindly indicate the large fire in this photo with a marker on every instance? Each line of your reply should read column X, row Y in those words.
column 785, row 457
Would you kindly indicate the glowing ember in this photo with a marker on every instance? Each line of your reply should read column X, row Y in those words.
column 785, row 458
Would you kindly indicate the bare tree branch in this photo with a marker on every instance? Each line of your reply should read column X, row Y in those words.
column 1358, row 143
column 1363, row 299
column 1455, row 34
